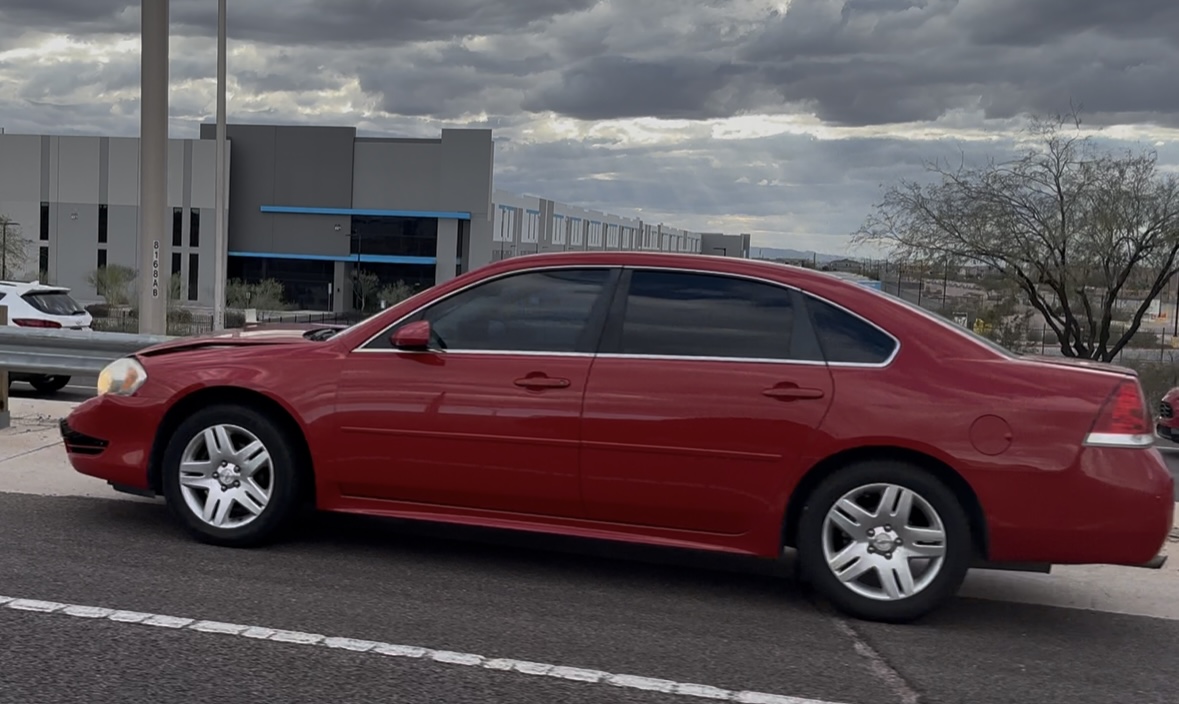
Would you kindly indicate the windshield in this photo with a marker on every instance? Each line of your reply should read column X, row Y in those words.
column 54, row 303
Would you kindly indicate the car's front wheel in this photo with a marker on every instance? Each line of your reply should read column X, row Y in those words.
column 231, row 476
column 884, row 541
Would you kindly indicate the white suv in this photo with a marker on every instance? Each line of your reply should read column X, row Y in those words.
column 34, row 305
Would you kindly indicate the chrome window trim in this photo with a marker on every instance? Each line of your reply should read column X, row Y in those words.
column 362, row 348
column 702, row 358
column 480, row 353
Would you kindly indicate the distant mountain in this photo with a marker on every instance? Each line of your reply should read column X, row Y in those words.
column 775, row 253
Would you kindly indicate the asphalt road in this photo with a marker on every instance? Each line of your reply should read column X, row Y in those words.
column 724, row 622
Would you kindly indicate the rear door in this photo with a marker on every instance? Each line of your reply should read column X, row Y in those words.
column 705, row 393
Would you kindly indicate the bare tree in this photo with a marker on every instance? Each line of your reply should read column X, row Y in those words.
column 1075, row 228
column 13, row 255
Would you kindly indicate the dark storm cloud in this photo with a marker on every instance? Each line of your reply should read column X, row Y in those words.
column 611, row 87
column 851, row 62
column 295, row 22
column 870, row 63
column 1036, row 23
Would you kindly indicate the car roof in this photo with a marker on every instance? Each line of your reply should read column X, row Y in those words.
column 707, row 262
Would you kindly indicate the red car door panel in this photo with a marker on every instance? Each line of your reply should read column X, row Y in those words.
column 697, row 445
column 706, row 393
column 471, row 430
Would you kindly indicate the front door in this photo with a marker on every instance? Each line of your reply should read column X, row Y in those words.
column 488, row 419
column 700, row 403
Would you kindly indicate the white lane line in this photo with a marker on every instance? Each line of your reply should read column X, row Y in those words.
column 876, row 662
column 447, row 657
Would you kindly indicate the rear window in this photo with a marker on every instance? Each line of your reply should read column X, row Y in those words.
column 847, row 339
column 53, row 303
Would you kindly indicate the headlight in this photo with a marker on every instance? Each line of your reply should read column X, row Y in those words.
column 121, row 377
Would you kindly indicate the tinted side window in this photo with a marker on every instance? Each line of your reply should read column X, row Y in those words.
column 542, row 311
column 706, row 315
column 845, row 338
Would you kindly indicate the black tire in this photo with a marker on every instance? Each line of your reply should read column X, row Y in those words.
column 49, row 384
column 287, row 467
column 959, row 546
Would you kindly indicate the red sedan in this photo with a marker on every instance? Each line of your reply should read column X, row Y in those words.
column 676, row 400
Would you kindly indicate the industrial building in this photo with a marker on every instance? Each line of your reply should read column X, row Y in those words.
column 308, row 206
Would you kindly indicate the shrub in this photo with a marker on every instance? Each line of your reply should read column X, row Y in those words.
column 264, row 295
column 113, row 283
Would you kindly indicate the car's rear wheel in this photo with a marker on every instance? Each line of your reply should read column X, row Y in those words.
column 231, row 476
column 884, row 541
column 49, row 384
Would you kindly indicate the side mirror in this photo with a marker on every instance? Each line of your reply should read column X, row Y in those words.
column 412, row 336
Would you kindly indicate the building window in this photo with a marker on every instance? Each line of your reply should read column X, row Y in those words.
column 308, row 284
column 44, row 221
column 396, row 236
column 194, row 228
column 558, row 229
column 102, row 259
column 507, row 225
column 102, row 226
column 177, row 227
column 531, row 233
column 175, row 263
column 43, row 264
column 193, row 277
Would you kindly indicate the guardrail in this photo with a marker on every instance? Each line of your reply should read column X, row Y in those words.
column 60, row 353
column 66, row 352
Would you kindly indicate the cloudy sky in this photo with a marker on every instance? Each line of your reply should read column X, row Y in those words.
column 779, row 118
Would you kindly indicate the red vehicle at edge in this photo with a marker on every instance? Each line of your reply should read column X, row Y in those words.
column 1166, row 422
column 676, row 400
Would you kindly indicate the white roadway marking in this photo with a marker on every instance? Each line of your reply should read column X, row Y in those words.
column 446, row 657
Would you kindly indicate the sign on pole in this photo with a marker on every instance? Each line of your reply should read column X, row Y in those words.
column 155, row 269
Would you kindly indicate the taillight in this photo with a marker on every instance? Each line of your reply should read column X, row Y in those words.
column 34, row 323
column 1123, row 420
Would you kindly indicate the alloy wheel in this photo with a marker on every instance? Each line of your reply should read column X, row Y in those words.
column 884, row 542
column 226, row 476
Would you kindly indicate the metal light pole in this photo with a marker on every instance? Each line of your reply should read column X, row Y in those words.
column 220, row 238
column 153, row 166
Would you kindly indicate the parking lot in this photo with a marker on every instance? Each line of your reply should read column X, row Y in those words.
column 413, row 613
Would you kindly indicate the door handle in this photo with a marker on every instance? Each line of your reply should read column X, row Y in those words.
column 793, row 393
column 542, row 382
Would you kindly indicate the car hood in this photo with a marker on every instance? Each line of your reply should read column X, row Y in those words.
column 250, row 337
